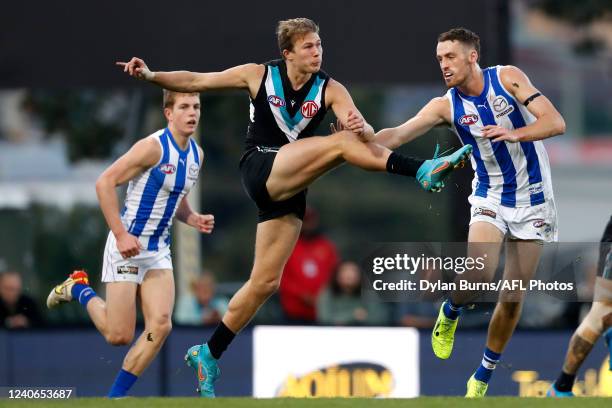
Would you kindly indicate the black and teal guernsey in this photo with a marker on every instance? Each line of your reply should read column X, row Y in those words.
column 280, row 115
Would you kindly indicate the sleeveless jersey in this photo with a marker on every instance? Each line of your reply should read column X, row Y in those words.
column 510, row 174
column 280, row 115
column 154, row 195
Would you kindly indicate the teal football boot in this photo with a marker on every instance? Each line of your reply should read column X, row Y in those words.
column 199, row 358
column 432, row 172
column 555, row 393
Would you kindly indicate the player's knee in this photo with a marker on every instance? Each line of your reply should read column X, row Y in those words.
column 119, row 339
column 596, row 321
column 161, row 326
column 511, row 310
column 264, row 288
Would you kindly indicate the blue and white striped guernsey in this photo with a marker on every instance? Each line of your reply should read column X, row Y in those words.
column 511, row 174
column 154, row 195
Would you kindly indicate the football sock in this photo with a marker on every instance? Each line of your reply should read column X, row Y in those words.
column 565, row 382
column 403, row 165
column 220, row 339
column 489, row 361
column 608, row 338
column 122, row 384
column 82, row 293
column 451, row 310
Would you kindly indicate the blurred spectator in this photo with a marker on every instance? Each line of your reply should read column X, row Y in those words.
column 341, row 303
column 17, row 311
column 202, row 306
column 308, row 270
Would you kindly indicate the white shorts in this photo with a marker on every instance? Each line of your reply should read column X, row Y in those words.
column 529, row 223
column 134, row 269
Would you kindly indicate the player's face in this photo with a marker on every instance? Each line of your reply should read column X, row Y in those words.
column 307, row 54
column 455, row 61
column 185, row 114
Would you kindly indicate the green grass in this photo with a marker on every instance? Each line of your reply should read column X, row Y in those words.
column 441, row 402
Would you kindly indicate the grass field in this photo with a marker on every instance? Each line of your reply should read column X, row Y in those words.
column 442, row 402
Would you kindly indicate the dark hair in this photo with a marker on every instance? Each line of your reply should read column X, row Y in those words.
column 288, row 30
column 462, row 35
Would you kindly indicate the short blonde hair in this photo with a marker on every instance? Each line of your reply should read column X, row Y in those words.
column 288, row 30
column 170, row 97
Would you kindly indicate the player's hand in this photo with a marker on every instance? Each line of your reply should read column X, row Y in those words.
column 202, row 222
column 137, row 68
column 498, row 134
column 355, row 123
column 128, row 245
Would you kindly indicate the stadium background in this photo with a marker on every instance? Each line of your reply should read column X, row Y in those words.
column 66, row 112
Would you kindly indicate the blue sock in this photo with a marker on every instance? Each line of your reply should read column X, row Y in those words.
column 82, row 293
column 122, row 384
column 608, row 338
column 451, row 310
column 489, row 361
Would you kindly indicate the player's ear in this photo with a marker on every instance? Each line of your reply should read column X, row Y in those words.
column 473, row 56
column 168, row 114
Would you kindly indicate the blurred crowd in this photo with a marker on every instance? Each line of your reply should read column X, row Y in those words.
column 318, row 287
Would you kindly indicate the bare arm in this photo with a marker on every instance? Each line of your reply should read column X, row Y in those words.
column 202, row 222
column 185, row 214
column 435, row 113
column 341, row 102
column 143, row 155
column 549, row 121
column 245, row 76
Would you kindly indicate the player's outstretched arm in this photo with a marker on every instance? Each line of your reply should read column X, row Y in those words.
column 549, row 121
column 435, row 113
column 185, row 81
column 202, row 222
column 341, row 102
column 143, row 155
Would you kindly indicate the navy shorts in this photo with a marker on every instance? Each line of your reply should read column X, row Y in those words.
column 255, row 167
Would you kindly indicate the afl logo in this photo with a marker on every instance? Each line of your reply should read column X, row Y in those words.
column 309, row 109
column 276, row 101
column 167, row 168
column 468, row 120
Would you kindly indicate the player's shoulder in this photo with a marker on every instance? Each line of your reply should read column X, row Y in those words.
column 150, row 145
column 510, row 72
column 440, row 106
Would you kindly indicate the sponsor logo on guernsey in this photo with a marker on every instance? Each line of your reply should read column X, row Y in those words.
column 194, row 169
column 127, row 270
column 501, row 107
column 167, row 168
column 536, row 188
column 468, row 120
column 309, row 109
column 485, row 211
column 276, row 101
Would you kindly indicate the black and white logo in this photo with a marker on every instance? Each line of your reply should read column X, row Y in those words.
column 501, row 106
column 127, row 270
column 193, row 170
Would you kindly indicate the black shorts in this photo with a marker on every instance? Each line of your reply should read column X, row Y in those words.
column 255, row 167
column 604, row 267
